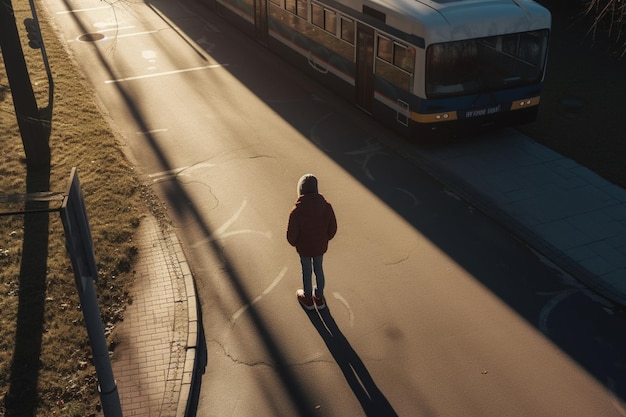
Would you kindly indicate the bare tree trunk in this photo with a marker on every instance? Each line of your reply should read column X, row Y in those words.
column 35, row 134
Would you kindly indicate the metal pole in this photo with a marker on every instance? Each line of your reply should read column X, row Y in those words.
column 91, row 312
column 80, row 247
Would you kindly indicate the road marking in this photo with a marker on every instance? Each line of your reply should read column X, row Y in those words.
column 367, row 153
column 165, row 175
column 162, row 74
column 113, row 27
column 232, row 219
column 174, row 172
column 221, row 233
column 151, row 132
column 410, row 194
column 347, row 306
column 82, row 10
column 115, row 30
column 128, row 35
column 547, row 309
column 267, row 234
column 258, row 298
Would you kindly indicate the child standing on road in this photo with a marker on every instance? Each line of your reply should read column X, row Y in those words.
column 312, row 224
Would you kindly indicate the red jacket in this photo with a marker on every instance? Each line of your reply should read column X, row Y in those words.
column 312, row 224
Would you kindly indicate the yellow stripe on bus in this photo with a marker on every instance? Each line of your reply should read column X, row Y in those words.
column 452, row 115
column 434, row 118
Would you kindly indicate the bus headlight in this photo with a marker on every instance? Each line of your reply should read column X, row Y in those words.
column 527, row 102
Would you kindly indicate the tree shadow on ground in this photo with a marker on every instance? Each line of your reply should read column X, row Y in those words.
column 22, row 397
column 179, row 206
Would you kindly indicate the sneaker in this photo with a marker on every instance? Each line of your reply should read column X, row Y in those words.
column 306, row 302
column 320, row 302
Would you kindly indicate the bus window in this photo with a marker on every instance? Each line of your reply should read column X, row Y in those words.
column 530, row 48
column 403, row 57
column 297, row 7
column 347, row 30
column 477, row 65
column 301, row 9
column 317, row 17
column 385, row 49
column 509, row 44
column 324, row 18
column 290, row 6
column 330, row 21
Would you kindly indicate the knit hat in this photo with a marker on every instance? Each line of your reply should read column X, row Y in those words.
column 307, row 184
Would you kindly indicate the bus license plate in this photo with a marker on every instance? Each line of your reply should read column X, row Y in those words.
column 483, row 112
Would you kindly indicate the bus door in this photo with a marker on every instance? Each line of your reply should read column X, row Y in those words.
column 260, row 20
column 364, row 79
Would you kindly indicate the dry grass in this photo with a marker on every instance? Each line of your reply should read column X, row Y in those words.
column 66, row 384
column 50, row 316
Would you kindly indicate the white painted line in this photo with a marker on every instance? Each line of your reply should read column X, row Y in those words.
column 83, row 10
column 165, row 175
column 267, row 234
column 128, row 35
column 221, row 233
column 161, row 74
column 220, row 230
column 175, row 172
column 368, row 152
column 150, row 132
column 547, row 309
column 113, row 30
column 410, row 194
column 258, row 298
column 116, row 29
column 347, row 306
column 168, row 172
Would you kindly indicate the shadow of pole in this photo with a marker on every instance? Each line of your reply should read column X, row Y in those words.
column 22, row 397
column 372, row 400
column 290, row 382
column 178, row 201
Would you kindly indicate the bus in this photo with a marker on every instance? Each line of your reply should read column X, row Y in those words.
column 418, row 66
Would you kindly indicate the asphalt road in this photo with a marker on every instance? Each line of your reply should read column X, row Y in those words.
column 434, row 309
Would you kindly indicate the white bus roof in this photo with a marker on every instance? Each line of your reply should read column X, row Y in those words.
column 450, row 20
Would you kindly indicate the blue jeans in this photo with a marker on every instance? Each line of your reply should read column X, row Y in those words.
column 310, row 264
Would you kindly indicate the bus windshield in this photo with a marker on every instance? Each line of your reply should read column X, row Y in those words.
column 485, row 64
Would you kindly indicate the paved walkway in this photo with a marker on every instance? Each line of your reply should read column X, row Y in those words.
column 156, row 343
column 564, row 211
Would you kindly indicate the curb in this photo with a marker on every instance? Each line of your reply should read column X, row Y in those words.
column 191, row 347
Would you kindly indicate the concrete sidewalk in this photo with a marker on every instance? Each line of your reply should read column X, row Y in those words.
column 564, row 211
column 153, row 361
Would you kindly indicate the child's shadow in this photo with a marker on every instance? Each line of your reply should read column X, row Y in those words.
column 371, row 398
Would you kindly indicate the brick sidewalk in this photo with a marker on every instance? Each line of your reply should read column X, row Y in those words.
column 156, row 343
